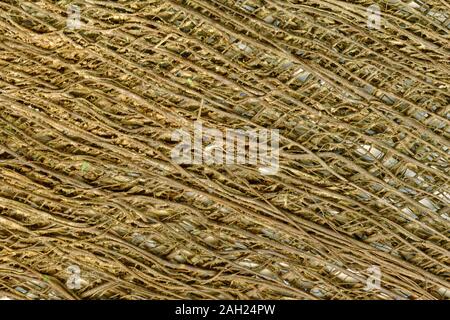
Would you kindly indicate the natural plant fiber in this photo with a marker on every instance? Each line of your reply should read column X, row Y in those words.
column 87, row 114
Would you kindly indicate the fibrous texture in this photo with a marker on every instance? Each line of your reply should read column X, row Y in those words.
column 88, row 188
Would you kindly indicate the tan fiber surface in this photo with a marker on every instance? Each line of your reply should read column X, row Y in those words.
column 87, row 182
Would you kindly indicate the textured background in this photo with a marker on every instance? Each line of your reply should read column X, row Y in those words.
column 88, row 189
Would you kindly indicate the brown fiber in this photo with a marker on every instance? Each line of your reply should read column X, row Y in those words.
column 86, row 178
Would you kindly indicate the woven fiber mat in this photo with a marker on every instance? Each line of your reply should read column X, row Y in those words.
column 93, row 204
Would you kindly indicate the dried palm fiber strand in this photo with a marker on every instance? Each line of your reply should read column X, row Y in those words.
column 87, row 180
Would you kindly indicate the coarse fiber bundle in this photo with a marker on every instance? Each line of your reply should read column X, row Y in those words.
column 93, row 204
